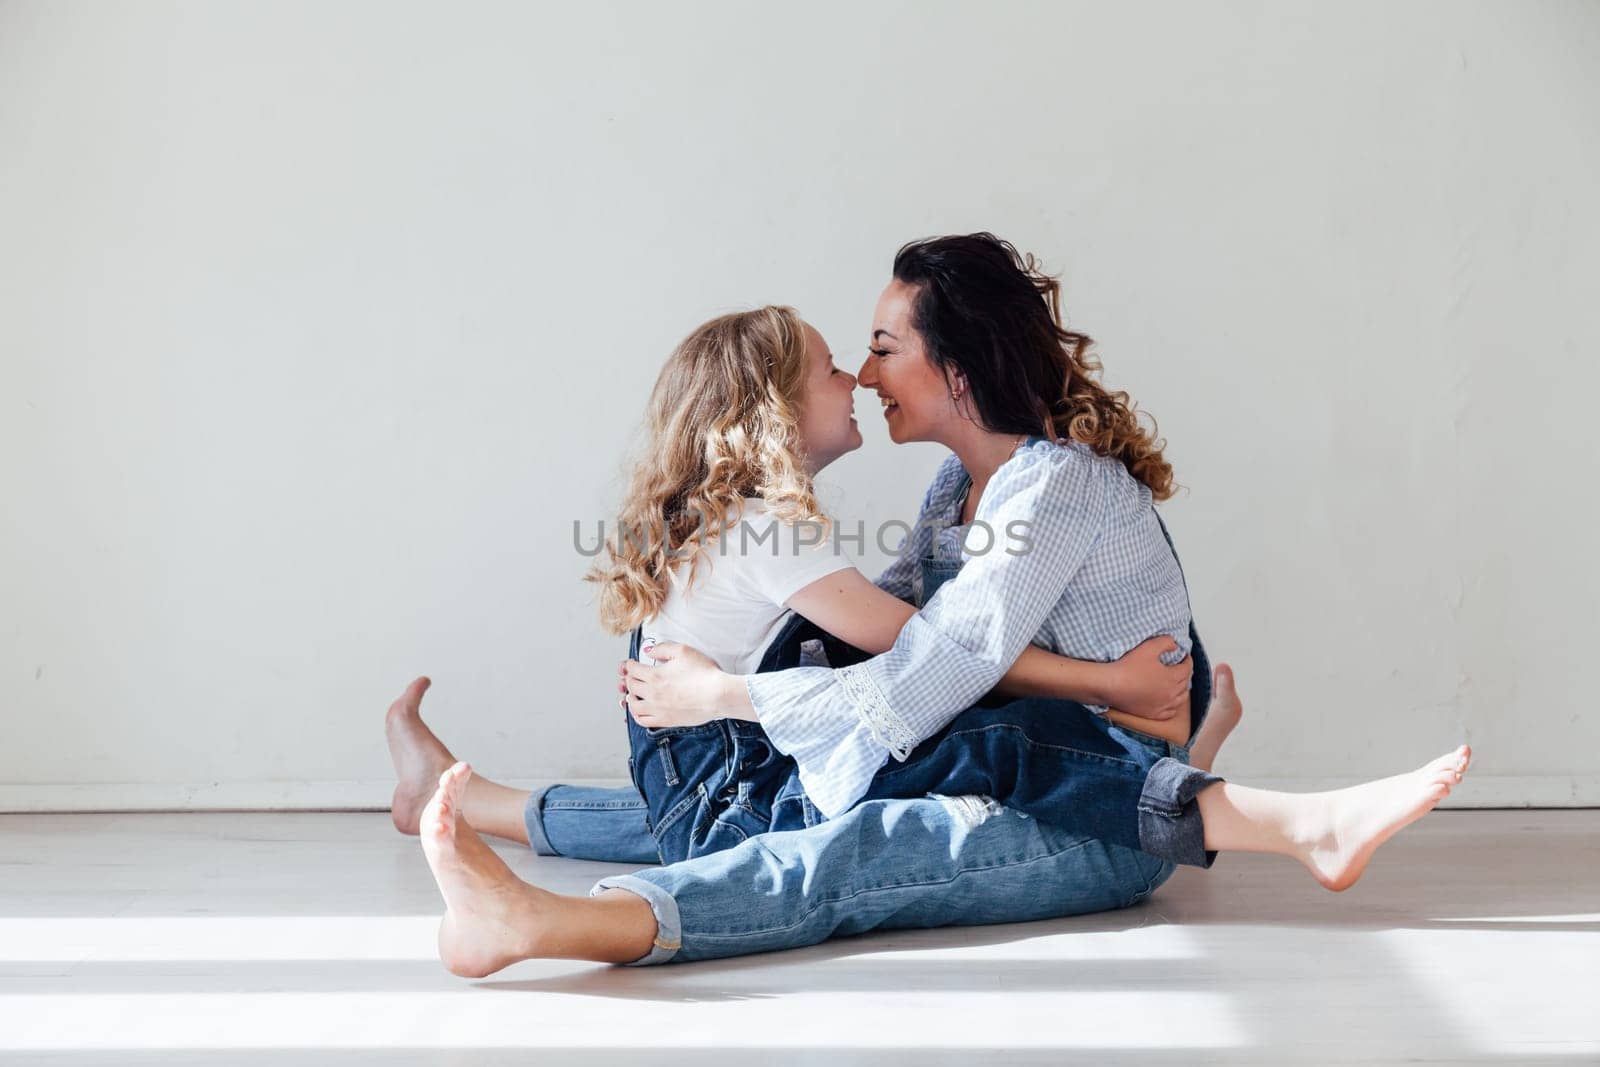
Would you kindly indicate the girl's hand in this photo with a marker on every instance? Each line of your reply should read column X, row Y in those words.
column 684, row 688
column 1141, row 685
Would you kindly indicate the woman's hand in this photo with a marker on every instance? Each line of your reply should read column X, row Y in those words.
column 1139, row 684
column 684, row 688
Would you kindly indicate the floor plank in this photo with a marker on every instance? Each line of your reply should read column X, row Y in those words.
column 254, row 938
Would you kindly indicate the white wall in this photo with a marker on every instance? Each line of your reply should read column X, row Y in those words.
column 320, row 324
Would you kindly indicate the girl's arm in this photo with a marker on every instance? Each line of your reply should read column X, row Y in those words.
column 1142, row 692
column 854, row 609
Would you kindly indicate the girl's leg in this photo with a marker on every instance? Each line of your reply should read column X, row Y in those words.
column 561, row 820
column 587, row 823
column 1223, row 715
column 420, row 757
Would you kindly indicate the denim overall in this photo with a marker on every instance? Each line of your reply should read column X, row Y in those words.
column 710, row 787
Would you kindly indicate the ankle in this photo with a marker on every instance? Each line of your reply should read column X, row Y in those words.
column 527, row 922
column 1308, row 824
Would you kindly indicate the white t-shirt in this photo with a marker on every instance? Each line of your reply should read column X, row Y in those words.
column 741, row 582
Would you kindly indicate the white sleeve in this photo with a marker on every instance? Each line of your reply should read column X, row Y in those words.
column 779, row 559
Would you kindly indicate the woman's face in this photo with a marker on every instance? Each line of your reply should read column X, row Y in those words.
column 827, row 406
column 916, row 396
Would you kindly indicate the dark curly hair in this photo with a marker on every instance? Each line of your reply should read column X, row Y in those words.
column 990, row 313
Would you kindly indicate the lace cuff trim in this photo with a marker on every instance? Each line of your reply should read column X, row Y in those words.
column 887, row 728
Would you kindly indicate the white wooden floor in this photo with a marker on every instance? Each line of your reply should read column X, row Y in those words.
column 309, row 938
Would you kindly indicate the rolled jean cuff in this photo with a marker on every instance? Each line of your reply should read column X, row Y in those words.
column 533, row 819
column 1169, row 818
column 669, row 929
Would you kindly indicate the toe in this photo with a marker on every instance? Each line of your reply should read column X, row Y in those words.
column 454, row 780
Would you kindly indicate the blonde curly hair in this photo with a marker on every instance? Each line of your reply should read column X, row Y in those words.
column 723, row 424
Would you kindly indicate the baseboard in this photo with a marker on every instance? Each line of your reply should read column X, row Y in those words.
column 1477, row 792
column 226, row 796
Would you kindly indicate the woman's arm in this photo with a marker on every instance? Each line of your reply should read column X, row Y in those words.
column 694, row 689
column 1140, row 690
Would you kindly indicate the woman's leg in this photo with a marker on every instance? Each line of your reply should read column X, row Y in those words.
column 883, row 864
column 493, row 918
column 1332, row 834
column 581, row 822
column 927, row 862
column 1056, row 762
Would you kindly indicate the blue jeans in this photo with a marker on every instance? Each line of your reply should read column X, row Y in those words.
column 710, row 787
column 616, row 826
column 935, row 861
column 884, row 864
column 589, row 823
column 782, row 878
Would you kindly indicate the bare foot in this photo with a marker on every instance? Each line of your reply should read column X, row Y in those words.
column 1344, row 828
column 492, row 917
column 419, row 757
column 1222, row 715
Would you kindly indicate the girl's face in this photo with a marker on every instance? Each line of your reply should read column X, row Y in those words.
column 827, row 405
column 916, row 396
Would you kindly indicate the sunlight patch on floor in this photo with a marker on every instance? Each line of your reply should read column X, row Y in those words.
column 1464, row 976
column 485, row 1018
column 219, row 937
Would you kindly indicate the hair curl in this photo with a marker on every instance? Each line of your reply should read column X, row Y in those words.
column 723, row 425
column 994, row 316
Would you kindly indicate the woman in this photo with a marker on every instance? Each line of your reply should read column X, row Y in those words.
column 906, row 862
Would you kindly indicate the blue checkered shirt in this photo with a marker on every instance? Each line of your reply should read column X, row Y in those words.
column 1087, row 574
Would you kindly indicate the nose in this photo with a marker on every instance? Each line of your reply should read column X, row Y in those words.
column 852, row 378
column 866, row 377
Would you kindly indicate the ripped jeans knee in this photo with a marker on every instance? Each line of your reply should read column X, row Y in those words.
column 970, row 811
